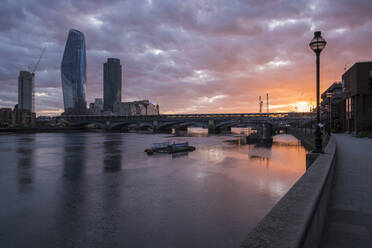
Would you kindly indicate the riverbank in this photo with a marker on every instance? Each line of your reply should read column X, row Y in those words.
column 297, row 220
column 307, row 137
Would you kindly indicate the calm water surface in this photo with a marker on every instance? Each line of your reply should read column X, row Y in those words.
column 102, row 190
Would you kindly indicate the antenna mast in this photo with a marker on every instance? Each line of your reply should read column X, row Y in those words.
column 260, row 102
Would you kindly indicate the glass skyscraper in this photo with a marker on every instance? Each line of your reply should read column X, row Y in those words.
column 111, row 83
column 73, row 73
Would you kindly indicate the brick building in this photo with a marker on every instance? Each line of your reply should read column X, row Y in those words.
column 7, row 117
column 357, row 96
column 17, row 117
column 332, row 106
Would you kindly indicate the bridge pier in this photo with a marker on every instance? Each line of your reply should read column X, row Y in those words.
column 108, row 125
column 267, row 131
column 155, row 126
column 225, row 129
column 211, row 127
column 182, row 130
column 164, row 130
column 262, row 136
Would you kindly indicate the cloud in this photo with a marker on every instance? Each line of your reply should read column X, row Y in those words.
column 183, row 54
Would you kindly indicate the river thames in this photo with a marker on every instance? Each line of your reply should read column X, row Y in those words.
column 100, row 189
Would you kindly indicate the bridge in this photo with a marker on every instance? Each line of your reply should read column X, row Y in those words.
column 158, row 123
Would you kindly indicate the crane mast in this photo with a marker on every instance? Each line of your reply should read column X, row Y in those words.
column 38, row 62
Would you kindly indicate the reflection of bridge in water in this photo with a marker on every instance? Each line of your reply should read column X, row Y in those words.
column 165, row 123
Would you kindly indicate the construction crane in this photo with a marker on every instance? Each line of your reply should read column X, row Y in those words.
column 38, row 62
column 267, row 102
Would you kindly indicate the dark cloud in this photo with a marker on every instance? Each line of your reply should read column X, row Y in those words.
column 188, row 56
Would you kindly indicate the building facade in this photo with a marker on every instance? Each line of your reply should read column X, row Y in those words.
column 144, row 107
column 96, row 107
column 111, row 83
column 357, row 96
column 26, row 94
column 17, row 117
column 7, row 117
column 332, row 106
column 73, row 73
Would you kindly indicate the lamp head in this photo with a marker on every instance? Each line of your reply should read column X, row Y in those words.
column 318, row 43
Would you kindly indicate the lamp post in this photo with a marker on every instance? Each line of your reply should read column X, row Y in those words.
column 329, row 96
column 317, row 44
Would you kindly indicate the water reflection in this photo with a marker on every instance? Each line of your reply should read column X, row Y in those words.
column 203, row 132
column 197, row 131
column 25, row 170
column 72, row 192
column 74, row 156
column 242, row 131
column 112, row 158
column 207, row 198
column 180, row 154
column 259, row 157
column 109, row 198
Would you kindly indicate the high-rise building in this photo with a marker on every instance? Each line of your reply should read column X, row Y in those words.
column 26, row 85
column 73, row 73
column 111, row 83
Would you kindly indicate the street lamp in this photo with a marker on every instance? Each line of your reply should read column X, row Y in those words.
column 317, row 44
column 329, row 96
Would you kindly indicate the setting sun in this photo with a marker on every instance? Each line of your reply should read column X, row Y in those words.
column 303, row 106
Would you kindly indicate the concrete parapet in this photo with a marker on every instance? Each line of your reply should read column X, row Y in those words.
column 310, row 158
column 297, row 220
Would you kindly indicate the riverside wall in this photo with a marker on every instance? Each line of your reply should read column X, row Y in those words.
column 297, row 220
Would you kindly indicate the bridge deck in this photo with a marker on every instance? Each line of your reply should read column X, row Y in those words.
column 194, row 116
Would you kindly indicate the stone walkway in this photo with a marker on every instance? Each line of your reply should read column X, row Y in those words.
column 349, row 220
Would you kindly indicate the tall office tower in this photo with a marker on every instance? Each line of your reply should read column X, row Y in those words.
column 73, row 73
column 111, row 83
column 26, row 85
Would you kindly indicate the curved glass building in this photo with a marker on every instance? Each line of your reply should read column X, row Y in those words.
column 73, row 73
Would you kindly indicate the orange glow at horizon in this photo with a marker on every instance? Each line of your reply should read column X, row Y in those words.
column 303, row 106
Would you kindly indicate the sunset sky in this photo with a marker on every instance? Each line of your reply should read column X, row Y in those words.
column 206, row 56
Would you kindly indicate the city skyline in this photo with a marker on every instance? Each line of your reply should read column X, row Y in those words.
column 182, row 56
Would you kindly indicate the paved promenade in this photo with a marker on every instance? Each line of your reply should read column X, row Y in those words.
column 349, row 220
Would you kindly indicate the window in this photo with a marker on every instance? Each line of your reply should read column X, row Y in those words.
column 350, row 108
